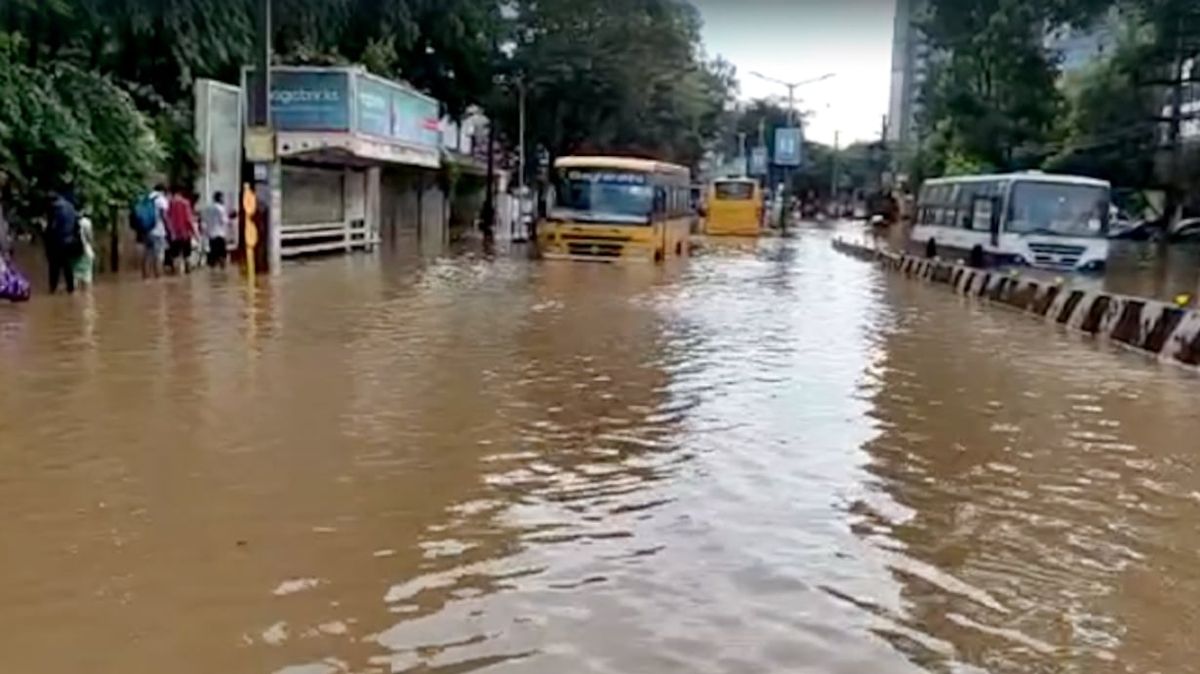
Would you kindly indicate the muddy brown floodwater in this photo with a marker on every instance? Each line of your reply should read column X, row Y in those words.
column 770, row 458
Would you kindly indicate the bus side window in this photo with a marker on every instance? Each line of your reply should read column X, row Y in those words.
column 943, row 212
column 966, row 198
column 923, row 212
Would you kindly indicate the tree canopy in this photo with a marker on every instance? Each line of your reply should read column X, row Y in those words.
column 996, row 99
column 99, row 91
column 618, row 76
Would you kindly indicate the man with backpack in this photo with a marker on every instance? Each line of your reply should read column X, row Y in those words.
column 62, row 240
column 150, row 224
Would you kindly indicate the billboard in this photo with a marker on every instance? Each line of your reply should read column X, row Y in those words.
column 374, row 107
column 758, row 162
column 789, row 146
column 308, row 100
column 392, row 111
column 351, row 101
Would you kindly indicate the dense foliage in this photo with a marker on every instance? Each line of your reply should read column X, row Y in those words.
column 620, row 76
column 62, row 126
column 98, row 92
column 995, row 99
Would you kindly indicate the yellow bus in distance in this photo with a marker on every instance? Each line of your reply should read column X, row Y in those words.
column 735, row 207
column 617, row 208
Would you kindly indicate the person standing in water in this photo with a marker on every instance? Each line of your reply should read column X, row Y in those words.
column 151, row 217
column 214, row 224
column 85, row 264
column 62, row 241
column 181, row 229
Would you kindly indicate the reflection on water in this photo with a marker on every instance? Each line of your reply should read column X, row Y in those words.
column 1152, row 270
column 767, row 458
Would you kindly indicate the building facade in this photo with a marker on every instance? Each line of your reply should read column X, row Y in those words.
column 910, row 68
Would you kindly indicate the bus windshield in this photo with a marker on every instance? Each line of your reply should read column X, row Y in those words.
column 1058, row 209
column 733, row 191
column 604, row 196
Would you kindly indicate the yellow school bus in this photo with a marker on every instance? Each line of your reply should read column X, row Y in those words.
column 616, row 208
column 735, row 207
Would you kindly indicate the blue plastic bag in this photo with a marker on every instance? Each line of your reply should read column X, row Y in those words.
column 13, row 285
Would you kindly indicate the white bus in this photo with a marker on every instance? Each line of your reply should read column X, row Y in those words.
column 1056, row 222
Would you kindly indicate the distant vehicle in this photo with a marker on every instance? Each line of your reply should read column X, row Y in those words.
column 735, row 207
column 616, row 208
column 1056, row 222
column 1137, row 230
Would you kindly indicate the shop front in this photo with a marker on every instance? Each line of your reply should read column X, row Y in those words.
column 337, row 133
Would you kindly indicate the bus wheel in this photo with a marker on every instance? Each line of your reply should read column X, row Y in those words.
column 658, row 255
column 931, row 248
column 679, row 249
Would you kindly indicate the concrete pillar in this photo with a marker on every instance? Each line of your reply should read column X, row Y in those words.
column 348, row 204
column 275, row 217
column 374, row 206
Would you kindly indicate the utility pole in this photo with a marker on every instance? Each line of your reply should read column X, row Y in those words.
column 521, row 153
column 1174, row 129
column 792, row 122
column 488, row 219
column 742, row 153
column 488, row 216
column 521, row 130
column 267, row 171
column 833, row 179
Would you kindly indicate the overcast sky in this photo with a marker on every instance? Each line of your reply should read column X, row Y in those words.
column 796, row 40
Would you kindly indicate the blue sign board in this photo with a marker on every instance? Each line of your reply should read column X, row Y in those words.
column 789, row 146
column 319, row 100
column 393, row 112
column 374, row 107
column 758, row 162
column 310, row 100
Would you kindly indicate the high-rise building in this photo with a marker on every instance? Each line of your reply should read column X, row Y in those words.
column 910, row 63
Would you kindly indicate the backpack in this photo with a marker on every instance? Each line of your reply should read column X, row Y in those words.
column 145, row 216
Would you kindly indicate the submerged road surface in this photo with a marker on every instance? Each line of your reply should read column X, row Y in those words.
column 770, row 458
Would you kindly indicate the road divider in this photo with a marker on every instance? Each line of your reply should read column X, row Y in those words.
column 1162, row 329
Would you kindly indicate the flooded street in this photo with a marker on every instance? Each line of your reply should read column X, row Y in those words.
column 768, row 458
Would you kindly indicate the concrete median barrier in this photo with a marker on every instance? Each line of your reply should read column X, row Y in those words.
column 1162, row 329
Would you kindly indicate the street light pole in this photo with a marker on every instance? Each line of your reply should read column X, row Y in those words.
column 521, row 153
column 521, row 131
column 791, row 104
column 792, row 122
column 833, row 180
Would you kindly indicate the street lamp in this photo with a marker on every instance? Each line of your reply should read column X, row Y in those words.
column 791, row 87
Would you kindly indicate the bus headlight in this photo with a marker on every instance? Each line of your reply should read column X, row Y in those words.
column 1092, row 267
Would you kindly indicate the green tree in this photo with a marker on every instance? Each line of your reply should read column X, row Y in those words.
column 991, row 97
column 1111, row 130
column 620, row 76
column 61, row 125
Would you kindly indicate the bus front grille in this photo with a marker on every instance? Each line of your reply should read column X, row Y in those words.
column 1055, row 255
column 594, row 248
column 595, row 237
